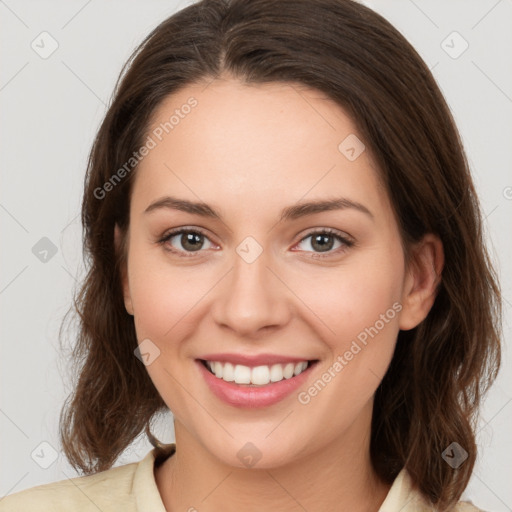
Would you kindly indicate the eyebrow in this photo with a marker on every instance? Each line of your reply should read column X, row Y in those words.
column 289, row 213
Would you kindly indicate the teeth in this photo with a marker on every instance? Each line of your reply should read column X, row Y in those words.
column 217, row 369
column 242, row 374
column 258, row 375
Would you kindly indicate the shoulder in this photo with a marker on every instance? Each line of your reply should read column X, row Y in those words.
column 106, row 490
column 404, row 496
column 466, row 506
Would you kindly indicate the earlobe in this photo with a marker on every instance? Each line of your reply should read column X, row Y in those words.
column 118, row 237
column 421, row 282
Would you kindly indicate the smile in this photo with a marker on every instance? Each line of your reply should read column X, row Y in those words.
column 257, row 386
column 255, row 376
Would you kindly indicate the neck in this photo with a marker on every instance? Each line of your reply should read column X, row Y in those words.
column 338, row 476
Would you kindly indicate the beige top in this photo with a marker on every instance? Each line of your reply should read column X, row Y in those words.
column 132, row 488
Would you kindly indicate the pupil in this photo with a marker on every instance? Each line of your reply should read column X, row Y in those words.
column 321, row 239
column 190, row 238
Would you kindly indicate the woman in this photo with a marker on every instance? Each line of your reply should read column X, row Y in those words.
column 287, row 253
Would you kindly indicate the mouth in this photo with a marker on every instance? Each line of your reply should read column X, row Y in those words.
column 251, row 387
column 256, row 376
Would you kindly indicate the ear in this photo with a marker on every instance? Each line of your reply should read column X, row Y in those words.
column 421, row 281
column 118, row 236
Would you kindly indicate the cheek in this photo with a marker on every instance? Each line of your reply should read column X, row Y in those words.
column 361, row 308
column 360, row 305
column 162, row 294
column 353, row 297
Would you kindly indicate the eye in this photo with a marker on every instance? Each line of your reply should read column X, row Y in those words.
column 323, row 241
column 191, row 241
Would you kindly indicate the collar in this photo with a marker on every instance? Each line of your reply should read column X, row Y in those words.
column 402, row 495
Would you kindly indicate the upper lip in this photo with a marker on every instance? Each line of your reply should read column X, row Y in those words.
column 253, row 360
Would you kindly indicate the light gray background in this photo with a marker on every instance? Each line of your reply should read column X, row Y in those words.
column 51, row 109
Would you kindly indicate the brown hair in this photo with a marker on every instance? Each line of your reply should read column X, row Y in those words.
column 440, row 370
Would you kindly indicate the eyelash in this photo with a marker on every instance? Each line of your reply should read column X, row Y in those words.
column 345, row 241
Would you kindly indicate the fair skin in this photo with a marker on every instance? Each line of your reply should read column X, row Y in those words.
column 248, row 152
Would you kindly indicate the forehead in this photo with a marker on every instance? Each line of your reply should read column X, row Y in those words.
column 225, row 142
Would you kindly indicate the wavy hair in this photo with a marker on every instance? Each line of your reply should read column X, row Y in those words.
column 441, row 369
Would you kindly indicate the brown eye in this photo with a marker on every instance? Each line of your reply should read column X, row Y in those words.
column 184, row 241
column 323, row 241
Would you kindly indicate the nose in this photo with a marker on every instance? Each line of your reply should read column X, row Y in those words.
column 252, row 298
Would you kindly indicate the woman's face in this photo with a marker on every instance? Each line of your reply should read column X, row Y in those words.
column 250, row 277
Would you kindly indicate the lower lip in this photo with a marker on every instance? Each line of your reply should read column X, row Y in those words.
column 242, row 395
